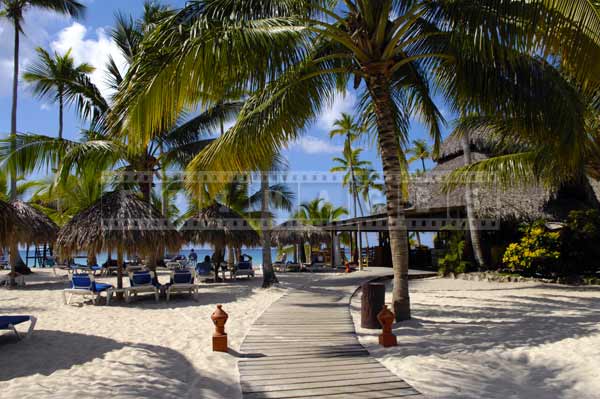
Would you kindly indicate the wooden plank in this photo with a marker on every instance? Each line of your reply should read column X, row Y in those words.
column 253, row 387
column 335, row 371
column 349, row 391
column 317, row 376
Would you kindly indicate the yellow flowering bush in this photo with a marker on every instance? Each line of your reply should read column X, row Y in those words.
column 538, row 249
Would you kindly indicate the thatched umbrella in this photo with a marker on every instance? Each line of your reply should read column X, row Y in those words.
column 294, row 232
column 39, row 228
column 119, row 220
column 11, row 226
column 219, row 226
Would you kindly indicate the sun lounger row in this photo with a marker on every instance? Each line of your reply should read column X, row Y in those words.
column 140, row 282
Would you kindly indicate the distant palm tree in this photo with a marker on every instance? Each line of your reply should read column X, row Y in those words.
column 368, row 180
column 420, row 150
column 14, row 11
column 57, row 77
column 317, row 212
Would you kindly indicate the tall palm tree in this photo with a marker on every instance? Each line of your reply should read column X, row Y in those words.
column 481, row 55
column 14, row 11
column 54, row 77
column 351, row 164
column 420, row 150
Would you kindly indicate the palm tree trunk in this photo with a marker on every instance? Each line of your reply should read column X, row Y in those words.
column 471, row 218
column 15, row 258
column 269, row 277
column 60, row 114
column 423, row 163
column 378, row 85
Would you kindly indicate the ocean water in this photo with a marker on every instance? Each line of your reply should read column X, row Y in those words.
column 255, row 253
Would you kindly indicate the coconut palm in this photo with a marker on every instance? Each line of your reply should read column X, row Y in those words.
column 482, row 56
column 420, row 150
column 14, row 11
column 318, row 212
column 368, row 180
column 56, row 77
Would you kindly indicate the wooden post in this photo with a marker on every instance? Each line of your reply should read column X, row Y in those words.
column 119, row 271
column 372, row 301
column 332, row 250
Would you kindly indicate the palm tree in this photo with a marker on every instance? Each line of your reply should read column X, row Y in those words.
column 14, row 11
column 298, row 54
column 420, row 150
column 368, row 180
column 317, row 212
column 351, row 164
column 54, row 77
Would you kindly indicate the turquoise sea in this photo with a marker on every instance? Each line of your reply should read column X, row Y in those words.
column 255, row 253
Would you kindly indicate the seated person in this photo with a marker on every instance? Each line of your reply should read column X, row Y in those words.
column 204, row 268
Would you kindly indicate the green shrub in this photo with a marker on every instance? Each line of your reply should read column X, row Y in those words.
column 538, row 250
column 453, row 261
column 581, row 242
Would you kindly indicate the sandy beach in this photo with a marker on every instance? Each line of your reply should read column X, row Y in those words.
column 144, row 349
column 471, row 339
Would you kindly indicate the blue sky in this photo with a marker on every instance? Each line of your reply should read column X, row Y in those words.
column 90, row 42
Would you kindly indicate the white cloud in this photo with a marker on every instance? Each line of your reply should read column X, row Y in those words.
column 333, row 112
column 93, row 48
column 315, row 145
column 45, row 107
column 37, row 25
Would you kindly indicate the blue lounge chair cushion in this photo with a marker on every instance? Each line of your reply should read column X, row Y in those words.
column 244, row 266
column 84, row 282
column 141, row 278
column 99, row 287
column 5, row 321
column 182, row 277
column 203, row 269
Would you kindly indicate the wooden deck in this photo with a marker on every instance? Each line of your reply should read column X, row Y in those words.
column 305, row 346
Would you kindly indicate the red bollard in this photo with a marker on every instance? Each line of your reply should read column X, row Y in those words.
column 219, row 318
column 386, row 319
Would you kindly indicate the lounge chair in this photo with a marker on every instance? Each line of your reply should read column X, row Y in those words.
column 244, row 269
column 84, row 284
column 9, row 323
column 280, row 265
column 182, row 281
column 142, row 282
column 204, row 269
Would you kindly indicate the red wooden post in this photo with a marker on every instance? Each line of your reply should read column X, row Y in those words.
column 219, row 318
column 386, row 318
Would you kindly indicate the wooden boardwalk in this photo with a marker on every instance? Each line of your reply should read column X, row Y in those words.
column 305, row 346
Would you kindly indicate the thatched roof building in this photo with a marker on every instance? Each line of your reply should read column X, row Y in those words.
column 118, row 221
column 521, row 202
column 220, row 226
column 38, row 227
column 294, row 232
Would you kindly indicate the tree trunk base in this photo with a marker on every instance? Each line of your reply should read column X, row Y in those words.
column 268, row 283
column 402, row 309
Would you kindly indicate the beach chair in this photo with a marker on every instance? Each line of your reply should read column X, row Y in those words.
column 280, row 265
column 182, row 281
column 84, row 284
column 9, row 323
column 142, row 282
column 244, row 269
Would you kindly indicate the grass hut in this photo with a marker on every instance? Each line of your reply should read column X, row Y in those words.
column 294, row 232
column 11, row 225
column 119, row 221
column 219, row 226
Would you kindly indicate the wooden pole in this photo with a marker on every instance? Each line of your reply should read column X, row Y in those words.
column 119, row 271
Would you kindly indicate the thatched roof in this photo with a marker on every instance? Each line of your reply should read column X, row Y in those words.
column 525, row 202
column 451, row 147
column 119, row 220
column 11, row 226
column 38, row 227
column 295, row 232
column 220, row 226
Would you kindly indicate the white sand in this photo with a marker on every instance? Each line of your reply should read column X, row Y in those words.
column 473, row 339
column 144, row 349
